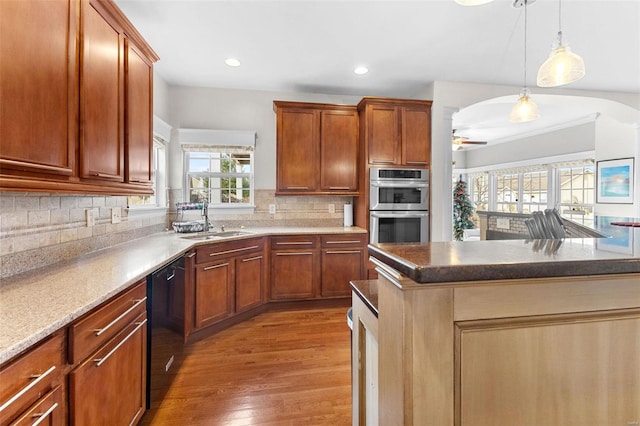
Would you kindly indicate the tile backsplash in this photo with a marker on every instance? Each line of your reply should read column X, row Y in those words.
column 41, row 229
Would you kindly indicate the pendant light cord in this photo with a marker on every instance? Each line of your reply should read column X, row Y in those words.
column 525, row 44
column 560, row 23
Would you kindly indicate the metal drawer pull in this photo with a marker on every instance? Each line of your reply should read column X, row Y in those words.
column 295, row 243
column 38, row 378
column 137, row 303
column 101, row 361
column 416, row 162
column 297, row 187
column 190, row 254
column 305, row 253
column 252, row 258
column 108, row 176
column 172, row 276
column 339, row 187
column 343, row 252
column 233, row 251
column 344, row 242
column 43, row 416
column 208, row 268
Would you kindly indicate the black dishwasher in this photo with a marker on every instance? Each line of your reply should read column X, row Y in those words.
column 165, row 310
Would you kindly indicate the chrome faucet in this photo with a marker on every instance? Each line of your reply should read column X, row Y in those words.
column 205, row 215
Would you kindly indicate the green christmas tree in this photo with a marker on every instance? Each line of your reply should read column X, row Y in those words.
column 462, row 210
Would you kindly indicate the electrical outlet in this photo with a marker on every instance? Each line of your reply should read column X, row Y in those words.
column 503, row 223
column 332, row 208
column 272, row 208
column 90, row 217
column 116, row 213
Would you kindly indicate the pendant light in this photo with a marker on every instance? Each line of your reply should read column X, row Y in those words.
column 525, row 110
column 562, row 66
column 472, row 2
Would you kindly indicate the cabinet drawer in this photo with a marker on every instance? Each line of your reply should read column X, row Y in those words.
column 343, row 240
column 297, row 242
column 30, row 377
column 48, row 410
column 217, row 251
column 101, row 325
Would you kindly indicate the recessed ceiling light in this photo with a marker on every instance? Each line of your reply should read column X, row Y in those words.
column 232, row 62
column 361, row 70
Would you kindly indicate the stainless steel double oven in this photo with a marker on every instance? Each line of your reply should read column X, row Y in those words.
column 399, row 205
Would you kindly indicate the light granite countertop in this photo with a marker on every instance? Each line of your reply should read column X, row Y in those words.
column 37, row 303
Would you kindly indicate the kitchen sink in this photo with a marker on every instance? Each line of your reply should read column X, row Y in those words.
column 216, row 235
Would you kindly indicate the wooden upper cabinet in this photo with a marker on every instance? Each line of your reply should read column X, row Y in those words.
column 139, row 110
column 397, row 131
column 339, row 150
column 101, row 96
column 297, row 149
column 317, row 149
column 38, row 80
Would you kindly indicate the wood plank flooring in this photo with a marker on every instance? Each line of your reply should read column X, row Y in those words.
column 278, row 368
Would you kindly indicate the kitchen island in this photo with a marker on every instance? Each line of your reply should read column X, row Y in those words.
column 542, row 332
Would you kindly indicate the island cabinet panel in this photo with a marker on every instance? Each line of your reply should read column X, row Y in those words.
column 38, row 79
column 108, row 350
column 101, row 96
column 317, row 149
column 213, row 292
column 343, row 259
column 554, row 371
column 139, row 111
column 295, row 267
column 31, row 385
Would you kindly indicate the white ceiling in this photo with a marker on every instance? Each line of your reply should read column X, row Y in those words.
column 313, row 46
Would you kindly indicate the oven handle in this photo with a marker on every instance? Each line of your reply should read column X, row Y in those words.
column 398, row 214
column 419, row 185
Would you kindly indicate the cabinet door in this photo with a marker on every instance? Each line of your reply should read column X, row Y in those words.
column 139, row 126
column 101, row 97
column 339, row 266
column 47, row 411
column 293, row 274
column 250, row 271
column 382, row 134
column 109, row 388
column 213, row 292
column 339, row 150
column 38, row 85
column 297, row 150
column 416, row 136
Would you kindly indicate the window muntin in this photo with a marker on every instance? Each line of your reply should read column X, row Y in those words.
column 223, row 178
column 577, row 193
column 507, row 192
column 158, row 176
column 534, row 191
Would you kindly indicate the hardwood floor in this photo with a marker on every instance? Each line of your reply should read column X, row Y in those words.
column 279, row 368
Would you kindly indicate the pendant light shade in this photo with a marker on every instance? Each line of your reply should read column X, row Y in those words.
column 562, row 66
column 472, row 2
column 525, row 110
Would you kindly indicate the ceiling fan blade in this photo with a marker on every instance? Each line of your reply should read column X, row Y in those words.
column 473, row 142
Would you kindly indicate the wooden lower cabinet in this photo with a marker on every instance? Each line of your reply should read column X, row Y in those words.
column 342, row 261
column 249, row 281
column 109, row 387
column 48, row 410
column 213, row 292
column 293, row 274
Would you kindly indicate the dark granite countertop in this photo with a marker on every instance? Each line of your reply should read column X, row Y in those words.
column 367, row 290
column 453, row 261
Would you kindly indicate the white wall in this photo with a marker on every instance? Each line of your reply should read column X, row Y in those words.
column 161, row 99
column 228, row 109
column 615, row 140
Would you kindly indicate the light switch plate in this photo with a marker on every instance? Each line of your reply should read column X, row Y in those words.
column 332, row 208
column 116, row 214
column 90, row 217
column 272, row 208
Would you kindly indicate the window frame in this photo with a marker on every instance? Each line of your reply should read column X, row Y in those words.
column 159, row 172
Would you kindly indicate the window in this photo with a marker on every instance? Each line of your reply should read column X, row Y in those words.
column 534, row 191
column 577, row 189
column 223, row 177
column 158, row 179
column 507, row 192
column 479, row 191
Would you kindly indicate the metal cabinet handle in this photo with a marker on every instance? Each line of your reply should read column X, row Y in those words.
column 173, row 275
column 106, row 175
column 190, row 255
column 304, row 253
column 208, row 268
column 344, row 242
column 137, row 303
column 339, row 187
column 233, row 251
column 416, row 162
column 43, row 416
column 343, row 251
column 295, row 243
column 38, row 378
column 100, row 361
column 297, row 187
column 252, row 258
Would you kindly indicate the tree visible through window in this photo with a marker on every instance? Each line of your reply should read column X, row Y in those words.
column 220, row 178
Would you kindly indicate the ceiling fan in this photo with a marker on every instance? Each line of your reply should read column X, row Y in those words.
column 458, row 141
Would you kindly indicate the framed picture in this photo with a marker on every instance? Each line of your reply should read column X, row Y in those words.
column 615, row 181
